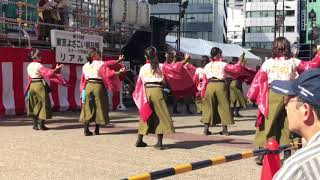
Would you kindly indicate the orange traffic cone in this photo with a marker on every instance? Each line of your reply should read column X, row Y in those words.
column 271, row 162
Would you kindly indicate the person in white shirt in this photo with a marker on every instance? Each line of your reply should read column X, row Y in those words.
column 39, row 105
column 152, row 77
column 216, row 107
column 302, row 103
column 272, row 121
column 96, row 78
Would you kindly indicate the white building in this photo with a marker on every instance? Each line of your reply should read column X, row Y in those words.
column 260, row 22
column 204, row 19
column 236, row 21
column 219, row 25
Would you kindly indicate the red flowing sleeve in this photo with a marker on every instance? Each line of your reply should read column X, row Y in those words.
column 110, row 62
column 258, row 92
column 179, row 79
column 113, row 65
column 49, row 74
column 205, row 84
column 304, row 65
column 238, row 71
column 82, row 82
column 110, row 78
column 191, row 69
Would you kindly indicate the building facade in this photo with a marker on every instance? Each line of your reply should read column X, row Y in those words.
column 204, row 19
column 236, row 21
column 315, row 22
column 260, row 22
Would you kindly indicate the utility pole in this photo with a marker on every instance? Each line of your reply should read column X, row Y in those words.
column 275, row 19
column 283, row 18
column 179, row 27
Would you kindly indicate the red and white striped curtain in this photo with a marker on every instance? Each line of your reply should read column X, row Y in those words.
column 13, row 82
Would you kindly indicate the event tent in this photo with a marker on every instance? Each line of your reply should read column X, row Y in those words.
column 199, row 47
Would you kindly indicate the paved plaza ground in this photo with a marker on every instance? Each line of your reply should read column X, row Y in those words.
column 65, row 153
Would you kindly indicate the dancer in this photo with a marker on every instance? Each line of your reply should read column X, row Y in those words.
column 198, row 78
column 39, row 105
column 215, row 103
column 272, row 117
column 237, row 100
column 172, row 58
column 149, row 98
column 96, row 78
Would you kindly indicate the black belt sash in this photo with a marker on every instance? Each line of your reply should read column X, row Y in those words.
column 37, row 80
column 94, row 80
column 215, row 80
column 153, row 84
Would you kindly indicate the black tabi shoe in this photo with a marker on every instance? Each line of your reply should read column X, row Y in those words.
column 207, row 133
column 43, row 127
column 35, row 125
column 88, row 133
column 97, row 130
column 237, row 115
column 159, row 147
column 141, row 144
column 224, row 133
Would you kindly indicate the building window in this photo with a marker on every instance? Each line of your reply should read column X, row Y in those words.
column 266, row 29
column 257, row 14
column 263, row 45
column 289, row 28
column 290, row 13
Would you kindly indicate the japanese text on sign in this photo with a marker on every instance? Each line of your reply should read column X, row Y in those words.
column 73, row 47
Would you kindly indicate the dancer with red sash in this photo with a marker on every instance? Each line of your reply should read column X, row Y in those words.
column 198, row 78
column 149, row 98
column 37, row 92
column 237, row 99
column 96, row 78
column 216, row 108
column 171, row 59
column 272, row 117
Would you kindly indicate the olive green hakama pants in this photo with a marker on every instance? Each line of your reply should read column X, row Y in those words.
column 276, row 125
column 39, row 104
column 216, row 107
column 96, row 106
column 160, row 121
column 237, row 100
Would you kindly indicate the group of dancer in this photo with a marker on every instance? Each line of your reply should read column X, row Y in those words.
column 208, row 82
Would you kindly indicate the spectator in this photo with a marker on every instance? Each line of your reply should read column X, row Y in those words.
column 62, row 8
column 52, row 12
column 302, row 101
column 45, row 6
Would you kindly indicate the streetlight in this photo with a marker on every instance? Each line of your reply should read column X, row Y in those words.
column 312, row 16
column 185, row 25
column 275, row 19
